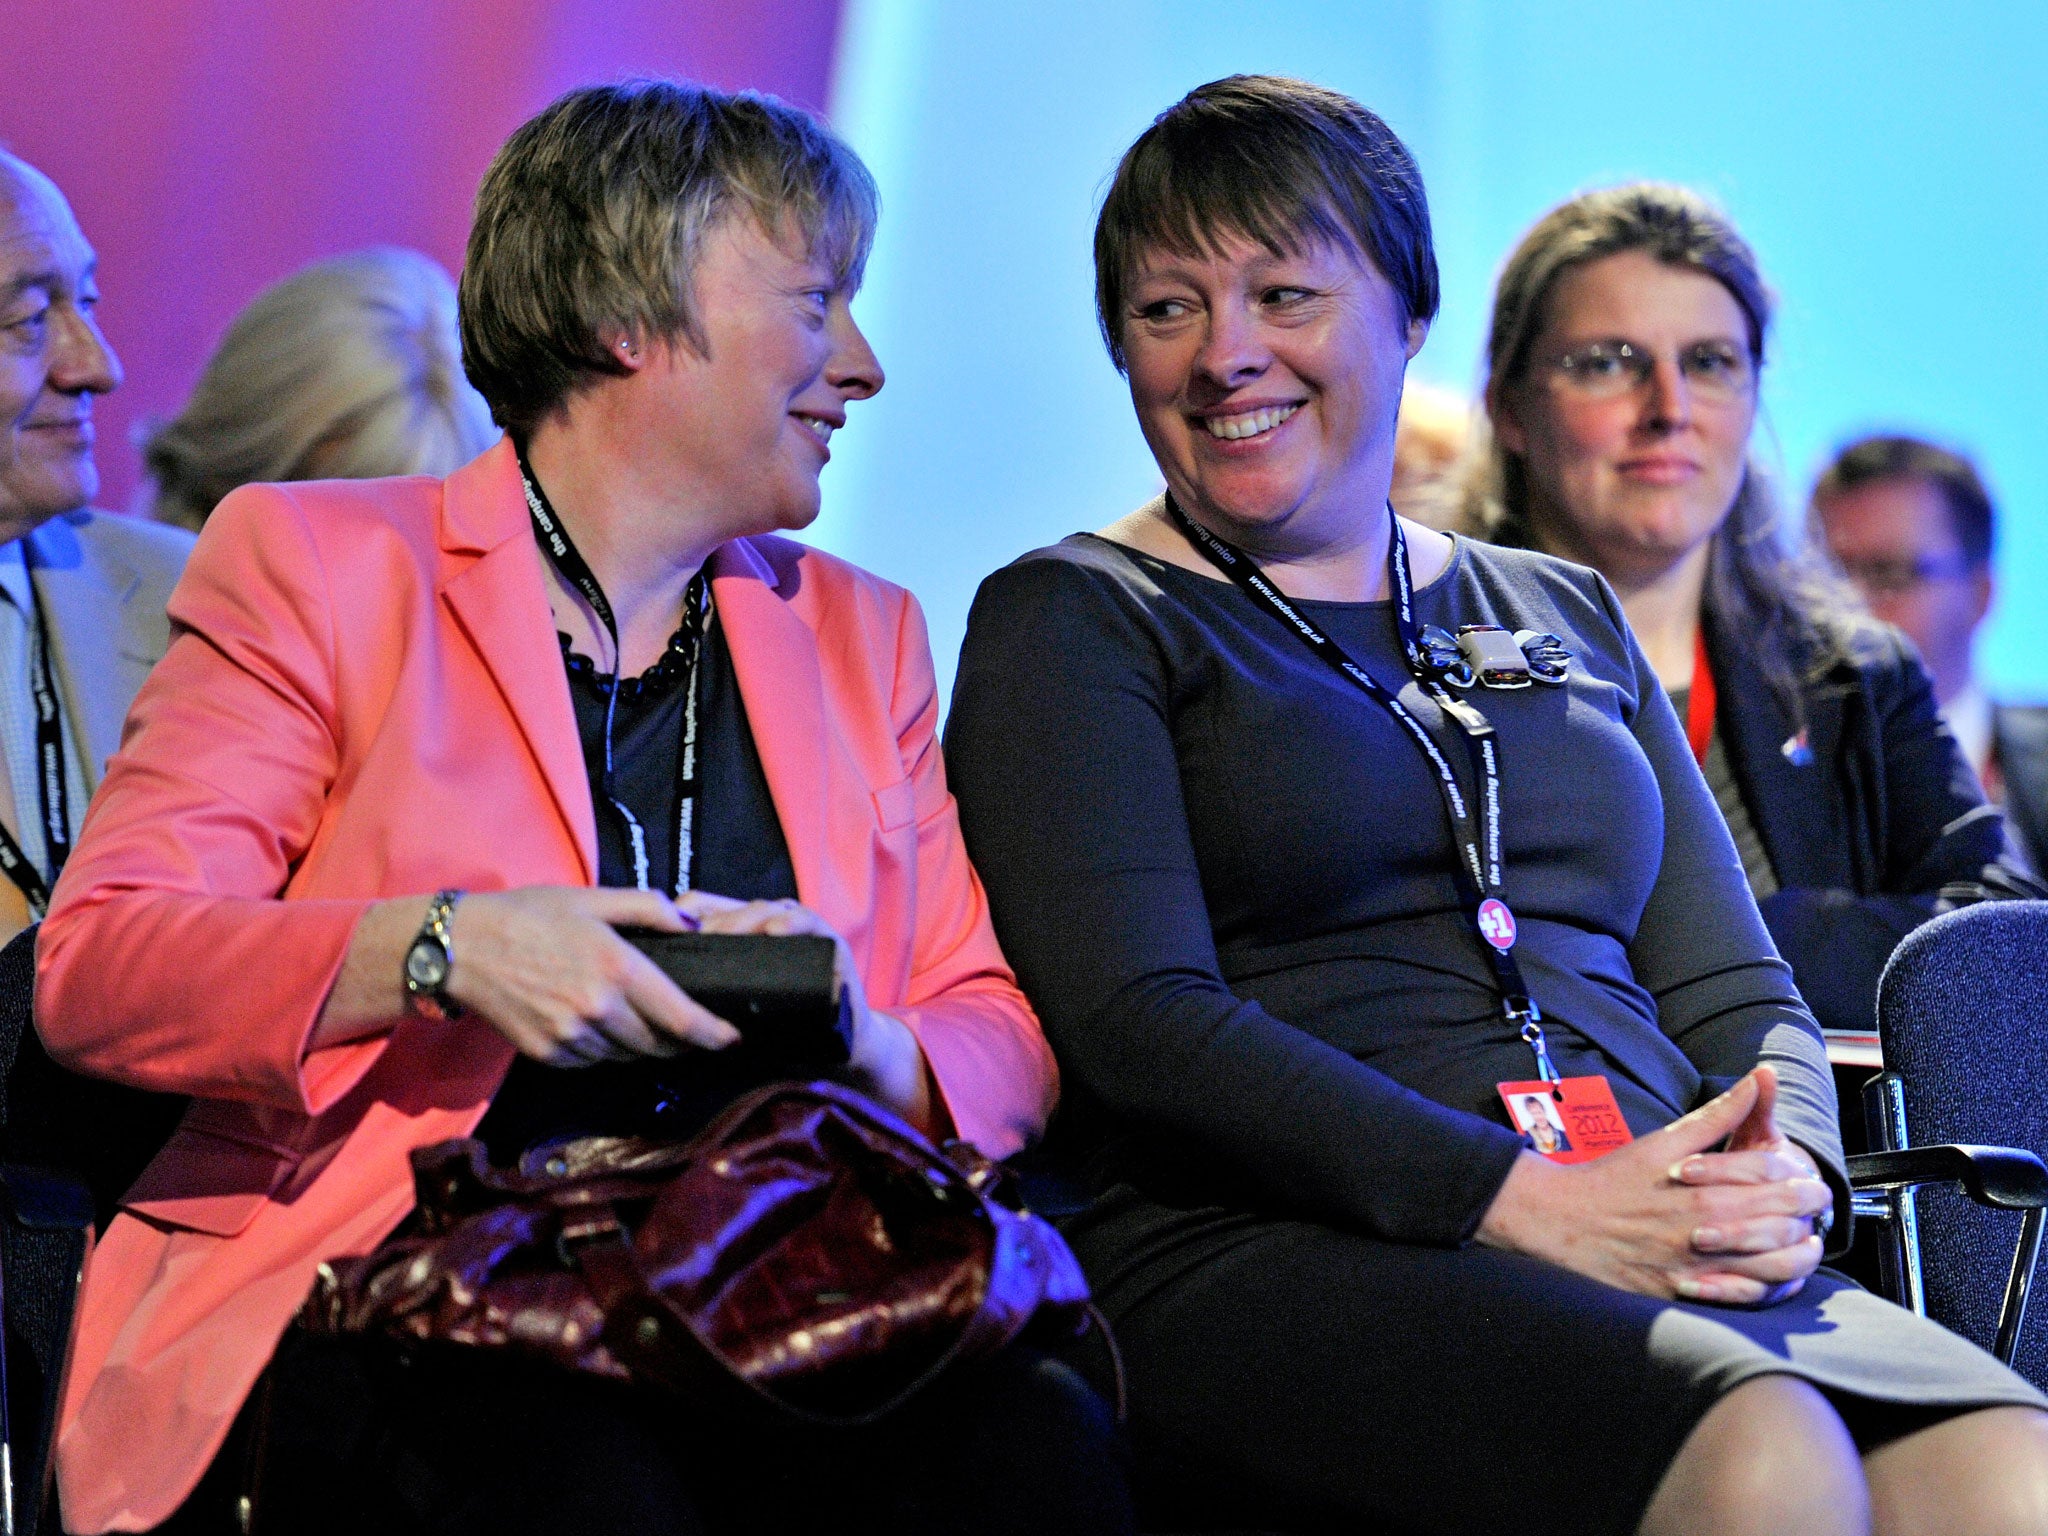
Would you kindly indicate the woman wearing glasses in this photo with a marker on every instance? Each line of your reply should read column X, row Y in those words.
column 1321, row 842
column 1628, row 331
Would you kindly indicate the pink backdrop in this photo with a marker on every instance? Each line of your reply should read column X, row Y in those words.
column 211, row 146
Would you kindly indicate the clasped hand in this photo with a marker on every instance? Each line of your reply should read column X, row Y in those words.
column 1669, row 1215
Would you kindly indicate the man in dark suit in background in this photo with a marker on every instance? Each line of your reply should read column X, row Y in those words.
column 1912, row 525
column 81, row 593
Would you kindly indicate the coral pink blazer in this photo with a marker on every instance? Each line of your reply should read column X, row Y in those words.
column 366, row 699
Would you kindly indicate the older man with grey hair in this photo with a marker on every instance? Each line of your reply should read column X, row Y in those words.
column 81, row 593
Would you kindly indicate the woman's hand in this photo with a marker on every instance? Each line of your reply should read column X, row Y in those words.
column 545, row 967
column 886, row 1063
column 542, row 965
column 1668, row 1216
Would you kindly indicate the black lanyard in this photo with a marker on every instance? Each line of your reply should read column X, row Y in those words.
column 1477, row 869
column 52, row 789
column 554, row 538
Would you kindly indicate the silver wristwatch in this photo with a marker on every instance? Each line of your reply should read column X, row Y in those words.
column 430, row 960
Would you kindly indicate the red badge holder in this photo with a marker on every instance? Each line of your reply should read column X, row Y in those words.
column 1573, row 1120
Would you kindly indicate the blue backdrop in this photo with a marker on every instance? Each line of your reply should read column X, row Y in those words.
column 1884, row 158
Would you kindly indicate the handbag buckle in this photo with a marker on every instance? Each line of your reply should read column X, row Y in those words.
column 583, row 1231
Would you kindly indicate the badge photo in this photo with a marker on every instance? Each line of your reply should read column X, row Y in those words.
column 1573, row 1120
column 1535, row 1116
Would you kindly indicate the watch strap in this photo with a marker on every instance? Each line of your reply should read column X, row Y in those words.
column 433, row 1001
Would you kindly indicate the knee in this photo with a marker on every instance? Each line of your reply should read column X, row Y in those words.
column 1770, row 1456
column 1978, row 1474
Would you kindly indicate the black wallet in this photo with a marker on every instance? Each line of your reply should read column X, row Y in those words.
column 781, row 992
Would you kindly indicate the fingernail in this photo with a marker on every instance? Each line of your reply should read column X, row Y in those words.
column 1706, row 1237
column 1686, row 1168
column 1692, row 1290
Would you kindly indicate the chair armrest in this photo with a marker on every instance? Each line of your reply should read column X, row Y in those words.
column 45, row 1199
column 2002, row 1176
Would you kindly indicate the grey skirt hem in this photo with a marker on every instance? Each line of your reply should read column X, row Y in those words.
column 1287, row 1368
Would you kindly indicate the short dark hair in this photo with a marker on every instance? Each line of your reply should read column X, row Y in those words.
column 590, row 221
column 1279, row 162
column 1971, row 515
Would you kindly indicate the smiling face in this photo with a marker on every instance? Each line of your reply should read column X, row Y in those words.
column 53, row 359
column 1634, row 481
column 747, row 423
column 1268, row 386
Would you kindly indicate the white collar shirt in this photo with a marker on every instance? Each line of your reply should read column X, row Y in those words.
column 1969, row 720
column 18, row 639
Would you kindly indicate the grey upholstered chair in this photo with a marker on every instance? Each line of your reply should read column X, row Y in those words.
column 1963, row 1017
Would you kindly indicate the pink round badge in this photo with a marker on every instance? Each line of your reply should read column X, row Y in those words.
column 1496, row 923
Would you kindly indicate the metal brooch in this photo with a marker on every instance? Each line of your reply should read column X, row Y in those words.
column 1486, row 653
column 1549, row 661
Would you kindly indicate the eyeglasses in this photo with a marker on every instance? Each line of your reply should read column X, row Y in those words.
column 1606, row 370
column 1897, row 577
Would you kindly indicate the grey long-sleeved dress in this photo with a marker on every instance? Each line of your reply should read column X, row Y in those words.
column 1223, row 876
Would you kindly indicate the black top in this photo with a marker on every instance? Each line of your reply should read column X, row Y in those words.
column 1720, row 777
column 739, row 851
column 1865, row 805
column 1224, row 878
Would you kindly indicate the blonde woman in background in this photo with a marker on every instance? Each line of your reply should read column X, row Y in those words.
column 346, row 370
column 1430, row 436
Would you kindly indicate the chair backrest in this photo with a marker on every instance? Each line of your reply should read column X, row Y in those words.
column 44, row 1218
column 70, row 1146
column 1963, row 1014
column 17, row 1003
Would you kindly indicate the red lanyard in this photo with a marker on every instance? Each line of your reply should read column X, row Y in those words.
column 1701, row 702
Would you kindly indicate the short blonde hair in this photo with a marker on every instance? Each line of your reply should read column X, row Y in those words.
column 347, row 369
column 590, row 221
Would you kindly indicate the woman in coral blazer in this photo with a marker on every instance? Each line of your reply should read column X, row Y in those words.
column 367, row 702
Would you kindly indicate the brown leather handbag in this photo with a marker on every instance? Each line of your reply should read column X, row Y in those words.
column 806, row 1243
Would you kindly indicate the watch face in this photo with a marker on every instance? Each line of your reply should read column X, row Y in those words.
column 426, row 965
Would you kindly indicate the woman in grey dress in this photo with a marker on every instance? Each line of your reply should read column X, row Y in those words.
column 1221, row 817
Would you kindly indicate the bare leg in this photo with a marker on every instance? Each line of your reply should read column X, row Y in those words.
column 1770, row 1457
column 1978, row 1474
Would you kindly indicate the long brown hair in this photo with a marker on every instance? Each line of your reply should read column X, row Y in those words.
column 1802, row 616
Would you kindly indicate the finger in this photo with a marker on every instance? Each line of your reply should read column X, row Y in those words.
column 666, row 1007
column 622, row 908
column 575, row 1045
column 1708, row 1126
column 628, row 1035
column 778, row 918
column 1772, row 1268
column 795, row 919
column 1765, row 1234
column 1727, row 1290
column 734, row 916
column 699, row 905
column 1775, row 1166
column 1760, row 1127
column 1722, row 1205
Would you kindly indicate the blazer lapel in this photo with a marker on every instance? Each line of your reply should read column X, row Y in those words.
column 775, row 656
column 495, row 591
column 1780, row 766
column 85, row 600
